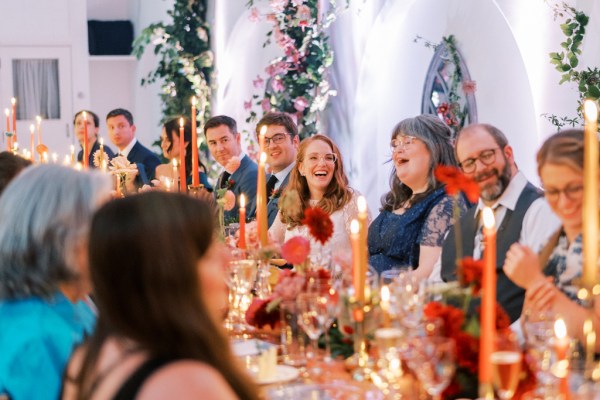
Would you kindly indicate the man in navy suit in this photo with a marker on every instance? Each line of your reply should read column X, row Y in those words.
column 281, row 145
column 224, row 142
column 121, row 131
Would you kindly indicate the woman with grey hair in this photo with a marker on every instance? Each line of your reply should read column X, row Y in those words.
column 416, row 213
column 44, row 219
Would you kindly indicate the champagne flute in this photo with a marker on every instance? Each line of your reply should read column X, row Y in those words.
column 326, row 287
column 311, row 319
column 506, row 361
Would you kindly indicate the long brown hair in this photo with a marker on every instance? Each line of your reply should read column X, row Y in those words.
column 337, row 195
column 143, row 264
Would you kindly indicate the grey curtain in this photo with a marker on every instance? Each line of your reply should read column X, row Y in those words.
column 36, row 87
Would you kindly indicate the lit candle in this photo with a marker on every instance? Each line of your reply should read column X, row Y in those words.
column 488, row 305
column 590, row 196
column 175, row 174
column 13, row 102
column 104, row 165
column 32, row 141
column 67, row 160
column 362, row 235
column 385, row 305
column 8, row 141
column 195, row 175
column 561, row 347
column 86, row 163
column 38, row 120
column 242, row 232
column 15, row 147
column 354, row 241
column 101, row 150
column 182, row 172
column 72, row 148
column 45, row 157
column 261, row 201
column 261, row 138
column 168, row 184
column 54, row 158
column 78, row 166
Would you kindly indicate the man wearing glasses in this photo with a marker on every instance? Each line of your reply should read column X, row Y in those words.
column 281, row 146
column 522, row 214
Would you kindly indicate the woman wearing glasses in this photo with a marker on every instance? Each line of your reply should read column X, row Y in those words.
column 319, row 179
column 416, row 213
column 551, row 284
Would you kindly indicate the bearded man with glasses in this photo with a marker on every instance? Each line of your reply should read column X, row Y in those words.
column 522, row 214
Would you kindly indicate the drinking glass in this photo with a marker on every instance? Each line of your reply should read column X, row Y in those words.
column 388, row 277
column 434, row 362
column 242, row 274
column 388, row 371
column 311, row 317
column 539, row 335
column 327, row 287
column 506, row 361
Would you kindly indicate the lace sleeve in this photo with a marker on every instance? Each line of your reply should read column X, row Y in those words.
column 439, row 221
column 351, row 211
column 277, row 229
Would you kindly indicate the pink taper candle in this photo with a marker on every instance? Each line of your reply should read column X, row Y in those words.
column 195, row 175
column 242, row 232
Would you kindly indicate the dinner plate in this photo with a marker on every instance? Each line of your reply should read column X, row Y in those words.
column 323, row 391
column 283, row 373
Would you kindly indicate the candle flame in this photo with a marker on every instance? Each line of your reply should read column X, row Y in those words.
column 488, row 218
column 591, row 111
column 174, row 163
column 588, row 326
column 263, row 157
column 54, row 157
column 385, row 295
column 85, row 116
column 31, row 128
column 181, row 122
column 101, row 141
column 362, row 204
column 354, row 227
column 242, row 200
column 194, row 100
column 38, row 119
column 67, row 160
column 263, row 130
column 13, row 101
column 7, row 112
column 72, row 148
column 168, row 184
column 15, row 146
column 79, row 166
column 560, row 329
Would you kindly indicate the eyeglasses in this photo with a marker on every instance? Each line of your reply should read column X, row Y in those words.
column 571, row 192
column 402, row 141
column 314, row 158
column 486, row 157
column 277, row 138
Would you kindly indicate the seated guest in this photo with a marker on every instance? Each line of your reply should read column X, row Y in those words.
column 319, row 179
column 240, row 172
column 159, row 331
column 281, row 146
column 44, row 218
column 522, row 214
column 551, row 278
column 10, row 165
column 121, row 132
column 169, row 142
column 416, row 214
column 93, row 125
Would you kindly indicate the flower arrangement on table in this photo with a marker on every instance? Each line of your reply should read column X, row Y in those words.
column 125, row 172
column 100, row 157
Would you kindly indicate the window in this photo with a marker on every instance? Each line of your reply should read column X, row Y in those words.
column 36, row 86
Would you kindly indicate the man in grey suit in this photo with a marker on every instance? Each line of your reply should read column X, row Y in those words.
column 224, row 143
column 281, row 146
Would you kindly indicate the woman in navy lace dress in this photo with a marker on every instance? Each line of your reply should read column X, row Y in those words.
column 416, row 213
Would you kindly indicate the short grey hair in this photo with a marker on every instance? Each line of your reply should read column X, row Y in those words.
column 45, row 215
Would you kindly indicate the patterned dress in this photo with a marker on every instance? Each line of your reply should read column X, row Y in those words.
column 565, row 265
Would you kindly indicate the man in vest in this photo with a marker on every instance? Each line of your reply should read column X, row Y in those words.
column 521, row 212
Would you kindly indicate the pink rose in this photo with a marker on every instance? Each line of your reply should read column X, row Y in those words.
column 278, row 5
column 248, row 105
column 469, row 86
column 254, row 15
column 258, row 82
column 295, row 250
column 300, row 104
column 277, row 85
column 266, row 104
column 229, row 200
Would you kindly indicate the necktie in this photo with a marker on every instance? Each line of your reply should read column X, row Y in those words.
column 271, row 185
column 224, row 179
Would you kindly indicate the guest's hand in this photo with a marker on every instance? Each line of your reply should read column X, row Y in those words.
column 540, row 296
column 522, row 266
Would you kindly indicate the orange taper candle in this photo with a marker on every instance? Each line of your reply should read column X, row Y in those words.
column 85, row 158
column 195, row 175
column 242, row 232
column 261, row 202
column 590, row 197
column 8, row 141
column 182, row 172
column 13, row 102
column 488, row 305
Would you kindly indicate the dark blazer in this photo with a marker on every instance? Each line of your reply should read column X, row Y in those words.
column 243, row 181
column 273, row 204
column 146, row 162
column 95, row 148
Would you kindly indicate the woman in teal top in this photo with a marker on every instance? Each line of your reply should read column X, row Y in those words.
column 44, row 219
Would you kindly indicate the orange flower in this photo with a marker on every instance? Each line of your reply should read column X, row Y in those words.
column 319, row 224
column 296, row 250
column 470, row 272
column 456, row 181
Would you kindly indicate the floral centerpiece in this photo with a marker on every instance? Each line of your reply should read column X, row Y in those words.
column 125, row 172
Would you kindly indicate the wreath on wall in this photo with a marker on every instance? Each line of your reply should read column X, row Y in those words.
column 296, row 82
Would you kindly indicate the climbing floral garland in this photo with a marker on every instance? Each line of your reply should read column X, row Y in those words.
column 296, row 82
column 567, row 60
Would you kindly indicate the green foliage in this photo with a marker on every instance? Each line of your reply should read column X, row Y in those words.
column 566, row 62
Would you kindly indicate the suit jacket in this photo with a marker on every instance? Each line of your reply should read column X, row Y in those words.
column 273, row 204
column 243, row 180
column 146, row 162
column 94, row 149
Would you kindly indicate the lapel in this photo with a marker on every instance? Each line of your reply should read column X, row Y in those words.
column 237, row 175
column 133, row 152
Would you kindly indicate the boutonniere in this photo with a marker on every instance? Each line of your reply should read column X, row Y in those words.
column 230, row 182
column 275, row 194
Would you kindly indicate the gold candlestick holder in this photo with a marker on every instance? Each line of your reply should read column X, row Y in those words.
column 195, row 190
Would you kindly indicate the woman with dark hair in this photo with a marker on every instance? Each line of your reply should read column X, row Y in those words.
column 551, row 277
column 319, row 179
column 160, row 305
column 45, row 213
column 416, row 213
column 169, row 143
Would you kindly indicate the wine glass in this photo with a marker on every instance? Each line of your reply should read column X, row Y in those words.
column 242, row 274
column 538, row 330
column 328, row 287
column 311, row 317
column 433, row 361
column 506, row 361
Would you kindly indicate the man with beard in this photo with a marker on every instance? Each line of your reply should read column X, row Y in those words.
column 522, row 214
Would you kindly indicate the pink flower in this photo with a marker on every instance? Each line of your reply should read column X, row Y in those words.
column 303, row 12
column 229, row 200
column 277, row 85
column 278, row 5
column 265, row 104
column 254, row 15
column 295, row 250
column 280, row 67
column 469, row 86
column 258, row 82
column 289, row 285
column 233, row 164
column 248, row 105
column 300, row 104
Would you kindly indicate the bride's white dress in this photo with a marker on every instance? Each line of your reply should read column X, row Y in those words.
column 339, row 244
